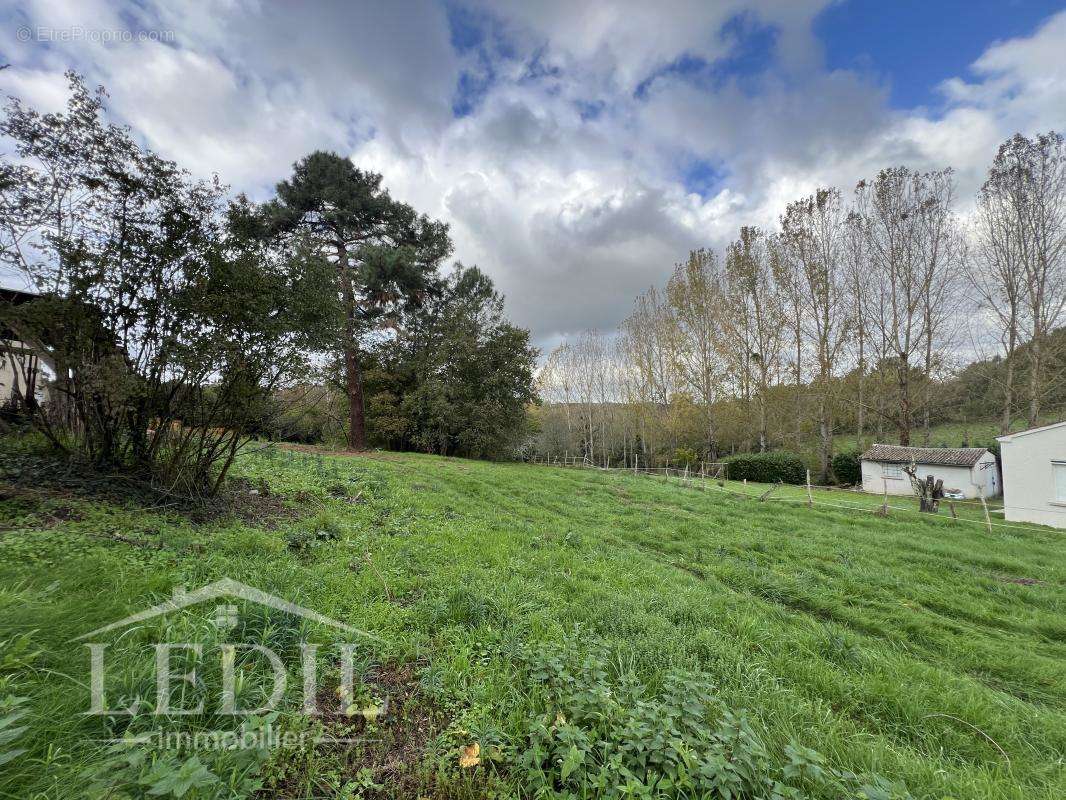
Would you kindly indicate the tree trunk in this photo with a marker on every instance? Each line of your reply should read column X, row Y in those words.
column 764, row 438
column 1034, row 379
column 1008, row 387
column 903, row 373
column 859, row 410
column 712, row 448
column 927, row 398
column 799, row 384
column 354, row 384
column 353, row 373
column 826, row 448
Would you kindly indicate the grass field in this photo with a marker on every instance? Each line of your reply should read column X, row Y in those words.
column 979, row 433
column 590, row 632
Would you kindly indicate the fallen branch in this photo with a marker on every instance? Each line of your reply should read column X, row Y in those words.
column 974, row 727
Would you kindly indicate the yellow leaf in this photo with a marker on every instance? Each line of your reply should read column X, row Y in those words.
column 469, row 756
column 373, row 711
column 560, row 719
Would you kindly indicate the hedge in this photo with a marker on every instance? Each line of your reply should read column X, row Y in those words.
column 848, row 468
column 766, row 467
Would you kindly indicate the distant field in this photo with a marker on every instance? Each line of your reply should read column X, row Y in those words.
column 980, row 433
column 923, row 655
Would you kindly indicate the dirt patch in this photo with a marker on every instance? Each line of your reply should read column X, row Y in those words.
column 34, row 508
column 44, row 479
column 1019, row 581
column 691, row 569
column 263, row 511
column 389, row 751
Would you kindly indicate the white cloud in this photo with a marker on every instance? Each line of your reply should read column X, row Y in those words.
column 564, row 183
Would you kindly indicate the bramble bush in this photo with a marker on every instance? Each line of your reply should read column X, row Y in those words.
column 778, row 466
column 613, row 737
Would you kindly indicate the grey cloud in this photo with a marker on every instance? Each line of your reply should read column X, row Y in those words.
column 572, row 215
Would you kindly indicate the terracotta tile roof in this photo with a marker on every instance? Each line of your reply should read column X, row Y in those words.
column 936, row 456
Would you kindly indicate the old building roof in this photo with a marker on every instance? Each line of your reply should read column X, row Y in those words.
column 1010, row 437
column 937, row 456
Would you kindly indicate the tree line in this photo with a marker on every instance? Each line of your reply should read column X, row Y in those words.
column 169, row 323
column 851, row 315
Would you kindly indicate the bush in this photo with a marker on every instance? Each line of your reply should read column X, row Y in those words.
column 766, row 467
column 686, row 457
column 848, row 467
column 600, row 725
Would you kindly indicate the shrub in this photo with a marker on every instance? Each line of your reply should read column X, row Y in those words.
column 686, row 457
column 605, row 729
column 766, row 467
column 168, row 320
column 848, row 467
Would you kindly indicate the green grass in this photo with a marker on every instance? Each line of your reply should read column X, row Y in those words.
column 967, row 512
column 980, row 433
column 906, row 647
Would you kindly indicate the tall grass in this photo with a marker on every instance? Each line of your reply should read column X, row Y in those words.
column 926, row 652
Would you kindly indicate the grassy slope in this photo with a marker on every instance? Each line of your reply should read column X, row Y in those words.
column 980, row 433
column 876, row 641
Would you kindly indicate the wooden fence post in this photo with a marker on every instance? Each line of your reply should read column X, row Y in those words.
column 810, row 499
column 884, row 505
column 984, row 505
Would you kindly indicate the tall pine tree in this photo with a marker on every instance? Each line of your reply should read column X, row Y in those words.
column 385, row 253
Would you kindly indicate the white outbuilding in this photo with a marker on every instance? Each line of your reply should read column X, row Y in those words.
column 969, row 471
column 1034, row 475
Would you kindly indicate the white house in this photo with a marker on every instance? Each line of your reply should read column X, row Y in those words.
column 968, row 470
column 23, row 367
column 1034, row 475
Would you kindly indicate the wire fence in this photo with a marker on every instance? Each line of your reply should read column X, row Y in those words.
column 708, row 476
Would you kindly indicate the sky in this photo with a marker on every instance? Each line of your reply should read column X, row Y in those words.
column 578, row 150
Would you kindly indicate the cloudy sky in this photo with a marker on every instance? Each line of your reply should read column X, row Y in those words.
column 578, row 150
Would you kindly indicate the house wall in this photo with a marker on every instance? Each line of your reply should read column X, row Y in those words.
column 1029, row 491
column 986, row 473
column 11, row 371
column 967, row 480
column 7, row 378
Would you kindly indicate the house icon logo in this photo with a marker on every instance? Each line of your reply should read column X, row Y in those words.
column 225, row 615
column 235, row 657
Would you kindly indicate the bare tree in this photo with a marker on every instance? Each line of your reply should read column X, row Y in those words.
column 1028, row 179
column 944, row 252
column 862, row 299
column 649, row 336
column 755, row 315
column 812, row 235
column 902, row 213
column 696, row 299
column 997, row 276
column 789, row 280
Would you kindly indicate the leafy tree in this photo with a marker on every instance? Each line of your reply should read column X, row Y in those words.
column 384, row 253
column 459, row 377
column 164, row 324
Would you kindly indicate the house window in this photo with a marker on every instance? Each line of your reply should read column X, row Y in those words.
column 1058, row 468
column 897, row 472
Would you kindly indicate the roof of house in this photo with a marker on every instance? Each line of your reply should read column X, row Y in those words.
column 1010, row 437
column 14, row 297
column 936, row 456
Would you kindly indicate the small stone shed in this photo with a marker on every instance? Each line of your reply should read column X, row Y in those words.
column 964, row 469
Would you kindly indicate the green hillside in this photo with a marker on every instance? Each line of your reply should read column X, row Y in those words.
column 590, row 632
